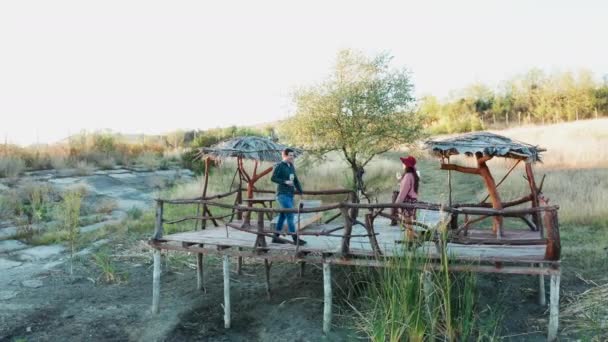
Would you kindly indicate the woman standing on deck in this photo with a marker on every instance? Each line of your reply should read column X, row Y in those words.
column 408, row 193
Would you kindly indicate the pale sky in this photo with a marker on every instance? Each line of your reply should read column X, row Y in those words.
column 155, row 66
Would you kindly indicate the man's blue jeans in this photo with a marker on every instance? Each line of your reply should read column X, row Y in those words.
column 286, row 201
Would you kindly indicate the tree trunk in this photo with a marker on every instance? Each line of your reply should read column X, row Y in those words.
column 519, row 117
column 357, row 184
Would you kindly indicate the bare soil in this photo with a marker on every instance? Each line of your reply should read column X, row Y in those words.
column 84, row 308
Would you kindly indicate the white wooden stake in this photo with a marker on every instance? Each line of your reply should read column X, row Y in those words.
column 542, row 297
column 327, row 299
column 553, row 308
column 156, row 282
column 226, row 292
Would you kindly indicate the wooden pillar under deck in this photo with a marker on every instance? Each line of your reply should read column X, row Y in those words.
column 239, row 263
column 156, row 282
column 200, row 282
column 542, row 297
column 267, row 265
column 327, row 298
column 348, row 227
column 205, row 209
column 226, row 268
column 553, row 308
column 394, row 213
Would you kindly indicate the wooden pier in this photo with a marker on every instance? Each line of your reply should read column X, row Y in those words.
column 369, row 240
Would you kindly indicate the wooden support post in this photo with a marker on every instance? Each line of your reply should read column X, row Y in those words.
column 454, row 221
column 394, row 210
column 553, row 250
column 534, row 191
column 226, row 267
column 553, row 308
column 260, row 241
column 267, row 265
column 327, row 306
column 239, row 196
column 198, row 213
column 158, row 227
column 348, row 227
column 205, row 210
column 156, row 283
column 239, row 263
column 449, row 186
column 302, row 268
column 200, row 282
column 542, row 298
column 484, row 172
column 369, row 226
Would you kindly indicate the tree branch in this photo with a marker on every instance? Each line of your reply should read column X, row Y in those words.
column 484, row 159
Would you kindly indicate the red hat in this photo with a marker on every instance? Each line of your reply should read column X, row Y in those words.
column 409, row 161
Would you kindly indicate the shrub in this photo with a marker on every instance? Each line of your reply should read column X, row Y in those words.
column 164, row 164
column 37, row 199
column 104, row 143
column 11, row 167
column 135, row 213
column 106, row 206
column 190, row 161
column 106, row 163
column 59, row 162
column 83, row 168
column 109, row 273
column 149, row 160
column 10, row 204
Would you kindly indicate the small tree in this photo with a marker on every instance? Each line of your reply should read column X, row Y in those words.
column 363, row 109
column 70, row 211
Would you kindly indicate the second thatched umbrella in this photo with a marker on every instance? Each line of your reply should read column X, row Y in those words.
column 257, row 149
column 484, row 146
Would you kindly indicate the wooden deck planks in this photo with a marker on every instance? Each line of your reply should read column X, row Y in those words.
column 360, row 246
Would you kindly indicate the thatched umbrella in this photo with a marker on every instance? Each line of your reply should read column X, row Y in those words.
column 486, row 143
column 257, row 149
column 485, row 146
column 247, row 147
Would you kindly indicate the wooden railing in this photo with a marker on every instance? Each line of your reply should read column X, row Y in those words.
column 549, row 235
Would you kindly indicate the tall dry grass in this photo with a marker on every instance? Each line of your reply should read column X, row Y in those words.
column 571, row 145
column 575, row 165
column 11, row 167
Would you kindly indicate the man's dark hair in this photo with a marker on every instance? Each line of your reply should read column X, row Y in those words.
column 287, row 151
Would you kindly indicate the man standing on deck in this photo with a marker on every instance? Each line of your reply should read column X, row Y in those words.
column 287, row 184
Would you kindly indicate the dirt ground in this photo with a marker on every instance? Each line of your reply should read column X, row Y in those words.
column 84, row 308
